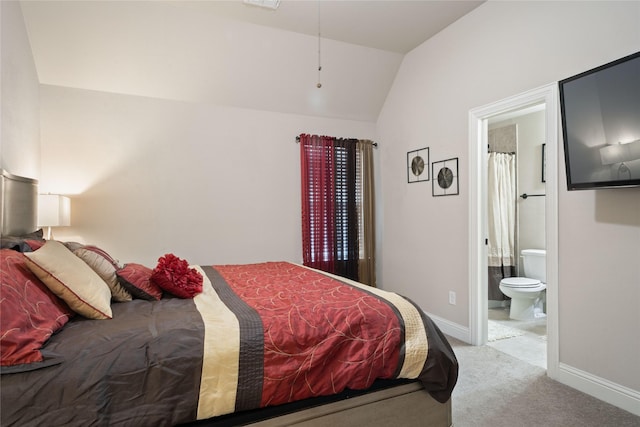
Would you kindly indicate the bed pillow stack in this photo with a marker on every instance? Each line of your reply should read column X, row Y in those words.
column 44, row 283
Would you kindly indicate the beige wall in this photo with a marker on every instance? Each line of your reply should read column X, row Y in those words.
column 499, row 50
column 211, row 184
column 531, row 211
column 19, row 134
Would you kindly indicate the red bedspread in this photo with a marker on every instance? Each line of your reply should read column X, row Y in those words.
column 322, row 338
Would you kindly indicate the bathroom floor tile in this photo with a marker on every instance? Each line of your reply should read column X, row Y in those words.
column 530, row 347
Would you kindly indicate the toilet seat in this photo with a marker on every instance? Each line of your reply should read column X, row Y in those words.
column 520, row 282
column 526, row 294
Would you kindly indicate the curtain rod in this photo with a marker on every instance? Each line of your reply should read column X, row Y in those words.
column 375, row 144
column 502, row 152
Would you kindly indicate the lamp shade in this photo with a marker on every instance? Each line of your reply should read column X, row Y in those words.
column 54, row 210
column 618, row 153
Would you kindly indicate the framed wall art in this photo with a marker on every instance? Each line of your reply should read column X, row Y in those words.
column 418, row 165
column 445, row 177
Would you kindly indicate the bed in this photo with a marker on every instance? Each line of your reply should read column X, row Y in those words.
column 267, row 344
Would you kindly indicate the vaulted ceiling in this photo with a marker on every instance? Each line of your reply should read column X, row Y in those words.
column 230, row 53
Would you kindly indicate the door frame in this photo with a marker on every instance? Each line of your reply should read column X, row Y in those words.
column 478, row 293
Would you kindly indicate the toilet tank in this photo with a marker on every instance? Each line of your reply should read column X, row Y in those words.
column 534, row 262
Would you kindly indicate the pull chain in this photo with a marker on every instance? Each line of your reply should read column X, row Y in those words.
column 319, row 85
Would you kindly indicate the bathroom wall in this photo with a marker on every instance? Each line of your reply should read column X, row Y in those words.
column 530, row 211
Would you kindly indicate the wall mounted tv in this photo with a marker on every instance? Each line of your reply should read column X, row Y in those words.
column 600, row 112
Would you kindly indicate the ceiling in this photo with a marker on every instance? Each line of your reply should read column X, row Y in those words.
column 233, row 54
column 392, row 25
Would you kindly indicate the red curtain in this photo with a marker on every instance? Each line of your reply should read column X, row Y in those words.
column 329, row 212
column 318, row 198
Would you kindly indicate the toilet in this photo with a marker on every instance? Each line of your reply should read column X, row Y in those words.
column 527, row 293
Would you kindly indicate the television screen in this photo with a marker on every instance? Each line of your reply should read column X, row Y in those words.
column 600, row 111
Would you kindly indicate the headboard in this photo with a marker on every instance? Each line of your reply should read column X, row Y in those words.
column 18, row 204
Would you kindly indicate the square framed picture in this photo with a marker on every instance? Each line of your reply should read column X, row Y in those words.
column 418, row 165
column 445, row 177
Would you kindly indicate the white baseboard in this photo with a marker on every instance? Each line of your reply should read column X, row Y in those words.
column 452, row 329
column 600, row 388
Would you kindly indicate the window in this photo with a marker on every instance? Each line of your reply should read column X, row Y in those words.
column 334, row 205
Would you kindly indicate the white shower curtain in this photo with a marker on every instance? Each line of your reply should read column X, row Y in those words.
column 502, row 209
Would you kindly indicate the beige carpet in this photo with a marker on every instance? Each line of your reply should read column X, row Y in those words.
column 498, row 390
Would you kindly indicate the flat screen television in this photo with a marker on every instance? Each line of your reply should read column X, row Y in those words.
column 600, row 111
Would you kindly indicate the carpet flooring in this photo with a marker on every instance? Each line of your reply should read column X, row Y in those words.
column 495, row 389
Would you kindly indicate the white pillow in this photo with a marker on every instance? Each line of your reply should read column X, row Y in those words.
column 71, row 279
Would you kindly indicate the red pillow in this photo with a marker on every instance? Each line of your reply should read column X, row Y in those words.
column 136, row 279
column 173, row 275
column 29, row 312
column 34, row 244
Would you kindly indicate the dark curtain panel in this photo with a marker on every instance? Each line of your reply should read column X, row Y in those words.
column 364, row 164
column 346, row 212
column 496, row 274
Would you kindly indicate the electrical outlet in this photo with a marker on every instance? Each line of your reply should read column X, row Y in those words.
column 452, row 298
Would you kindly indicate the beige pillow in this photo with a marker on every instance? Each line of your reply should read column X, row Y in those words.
column 71, row 279
column 103, row 264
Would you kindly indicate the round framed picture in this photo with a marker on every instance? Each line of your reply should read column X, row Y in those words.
column 445, row 177
column 418, row 165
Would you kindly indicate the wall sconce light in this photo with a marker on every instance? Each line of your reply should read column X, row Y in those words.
column 620, row 153
column 53, row 211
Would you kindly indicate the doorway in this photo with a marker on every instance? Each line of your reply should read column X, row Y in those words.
column 478, row 280
column 516, row 214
